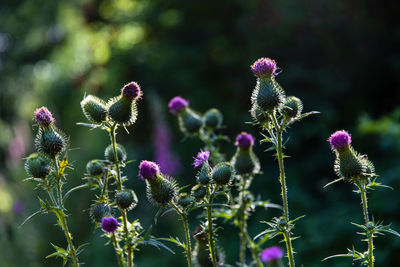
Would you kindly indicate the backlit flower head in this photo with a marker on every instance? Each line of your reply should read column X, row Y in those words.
column 264, row 67
column 271, row 254
column 339, row 140
column 131, row 90
column 43, row 117
column 148, row 169
column 177, row 104
column 244, row 140
column 201, row 158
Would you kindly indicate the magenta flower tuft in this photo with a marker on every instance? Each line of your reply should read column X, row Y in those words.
column 244, row 140
column 177, row 104
column 201, row 158
column 271, row 254
column 264, row 67
column 43, row 117
column 109, row 224
column 339, row 140
column 148, row 169
column 131, row 90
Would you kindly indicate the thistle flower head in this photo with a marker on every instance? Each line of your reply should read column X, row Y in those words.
column 201, row 158
column 244, row 140
column 131, row 91
column 264, row 67
column 177, row 104
column 148, row 169
column 339, row 140
column 43, row 117
column 271, row 254
column 109, row 224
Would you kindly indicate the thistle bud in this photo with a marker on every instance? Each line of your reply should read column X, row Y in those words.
column 267, row 94
column 177, row 104
column 348, row 164
column 204, row 175
column 37, row 166
column 160, row 190
column 43, row 117
column 190, row 122
column 109, row 224
column 99, row 211
column 259, row 115
column 109, row 153
column 50, row 142
column 201, row 252
column 198, row 191
column 213, row 118
column 126, row 199
column 244, row 161
column 148, row 170
column 94, row 109
column 122, row 110
column 292, row 107
column 184, row 200
column 222, row 173
column 95, row 167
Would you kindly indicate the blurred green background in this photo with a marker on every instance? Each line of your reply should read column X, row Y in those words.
column 341, row 58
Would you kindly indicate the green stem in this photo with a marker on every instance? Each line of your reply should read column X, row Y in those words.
column 253, row 250
column 119, row 188
column 62, row 219
column 211, row 246
column 242, row 224
column 366, row 218
column 282, row 179
column 59, row 194
column 116, row 247
column 187, row 233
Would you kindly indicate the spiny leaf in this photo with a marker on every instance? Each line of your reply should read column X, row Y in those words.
column 334, row 181
column 77, row 188
column 31, row 216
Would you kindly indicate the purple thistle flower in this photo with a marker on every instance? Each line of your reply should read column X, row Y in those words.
column 177, row 104
column 264, row 67
column 339, row 140
column 271, row 254
column 244, row 140
column 201, row 158
column 43, row 117
column 131, row 91
column 109, row 224
column 148, row 169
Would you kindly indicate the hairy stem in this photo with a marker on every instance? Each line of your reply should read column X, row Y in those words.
column 116, row 247
column 187, row 233
column 119, row 188
column 242, row 224
column 211, row 246
column 364, row 202
column 282, row 179
column 253, row 250
column 63, row 223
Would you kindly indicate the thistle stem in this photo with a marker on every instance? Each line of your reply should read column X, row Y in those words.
column 116, row 247
column 187, row 234
column 59, row 194
column 282, row 179
column 210, row 229
column 364, row 202
column 242, row 224
column 119, row 188
column 253, row 250
column 63, row 223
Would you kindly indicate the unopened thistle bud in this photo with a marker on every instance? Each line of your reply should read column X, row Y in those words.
column 213, row 118
column 109, row 224
column 190, row 122
column 122, row 109
column 267, row 94
column 184, row 199
column 201, row 252
column 292, row 107
column 94, row 109
column 126, row 199
column 204, row 175
column 37, row 166
column 95, row 167
column 50, row 141
column 109, row 153
column 99, row 211
column 222, row 173
column 43, row 117
column 259, row 115
column 198, row 191
column 244, row 161
column 348, row 164
column 177, row 104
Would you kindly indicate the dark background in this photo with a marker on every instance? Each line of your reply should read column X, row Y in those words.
column 341, row 58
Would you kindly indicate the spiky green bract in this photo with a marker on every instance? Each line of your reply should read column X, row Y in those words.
column 100, row 210
column 198, row 191
column 109, row 153
column 126, row 199
column 190, row 122
column 94, row 109
column 259, row 115
column 204, row 175
column 222, row 173
column 160, row 190
column 349, row 164
column 244, row 161
column 201, row 252
column 268, row 94
column 37, row 166
column 50, row 141
column 184, row 199
column 213, row 118
column 122, row 110
column 369, row 168
column 95, row 167
column 292, row 107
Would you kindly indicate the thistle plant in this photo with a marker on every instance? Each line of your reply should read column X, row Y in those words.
column 275, row 112
column 356, row 169
column 124, row 235
column 46, row 169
